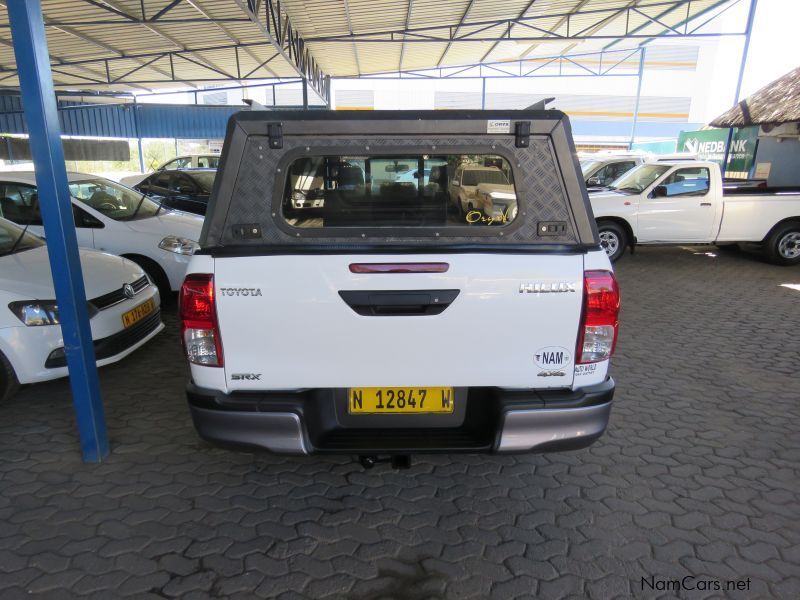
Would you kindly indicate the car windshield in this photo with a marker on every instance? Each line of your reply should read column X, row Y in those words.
column 113, row 199
column 638, row 178
column 477, row 176
column 204, row 179
column 588, row 165
column 13, row 240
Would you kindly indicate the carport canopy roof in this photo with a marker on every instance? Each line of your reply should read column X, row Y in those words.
column 134, row 45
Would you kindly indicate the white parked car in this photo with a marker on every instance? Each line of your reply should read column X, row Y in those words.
column 113, row 218
column 123, row 308
column 190, row 161
column 600, row 169
column 685, row 202
column 464, row 187
column 413, row 176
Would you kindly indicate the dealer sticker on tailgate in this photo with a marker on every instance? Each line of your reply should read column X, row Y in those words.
column 394, row 400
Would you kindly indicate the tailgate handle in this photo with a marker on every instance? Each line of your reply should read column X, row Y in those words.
column 381, row 303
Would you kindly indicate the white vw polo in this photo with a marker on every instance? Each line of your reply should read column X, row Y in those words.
column 113, row 218
column 123, row 308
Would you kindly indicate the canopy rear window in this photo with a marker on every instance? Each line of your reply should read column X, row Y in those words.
column 444, row 190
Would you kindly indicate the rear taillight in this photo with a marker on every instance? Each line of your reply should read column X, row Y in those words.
column 199, row 328
column 597, row 336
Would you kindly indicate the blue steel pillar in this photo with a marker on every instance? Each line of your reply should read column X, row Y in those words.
column 751, row 15
column 39, row 103
column 138, row 133
column 638, row 97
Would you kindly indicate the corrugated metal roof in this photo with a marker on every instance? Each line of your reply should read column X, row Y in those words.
column 115, row 44
column 446, row 33
column 117, row 120
column 146, row 44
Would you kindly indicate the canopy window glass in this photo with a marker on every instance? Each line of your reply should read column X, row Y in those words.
column 447, row 190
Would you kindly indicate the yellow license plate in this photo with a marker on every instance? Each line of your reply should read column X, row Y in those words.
column 395, row 400
column 135, row 315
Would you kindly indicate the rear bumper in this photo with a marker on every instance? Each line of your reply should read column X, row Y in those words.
column 495, row 421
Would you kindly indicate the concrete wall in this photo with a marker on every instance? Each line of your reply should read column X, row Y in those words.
column 785, row 158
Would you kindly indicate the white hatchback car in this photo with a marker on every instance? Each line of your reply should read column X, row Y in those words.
column 113, row 218
column 123, row 308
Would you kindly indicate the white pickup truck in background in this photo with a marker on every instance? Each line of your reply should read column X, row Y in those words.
column 684, row 202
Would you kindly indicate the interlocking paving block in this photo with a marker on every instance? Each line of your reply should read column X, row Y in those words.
column 698, row 474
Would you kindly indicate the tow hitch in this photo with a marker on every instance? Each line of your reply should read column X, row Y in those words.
column 398, row 461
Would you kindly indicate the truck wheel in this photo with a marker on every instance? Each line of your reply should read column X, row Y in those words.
column 613, row 239
column 8, row 379
column 783, row 246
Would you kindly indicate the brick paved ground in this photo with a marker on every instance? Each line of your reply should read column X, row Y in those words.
column 699, row 474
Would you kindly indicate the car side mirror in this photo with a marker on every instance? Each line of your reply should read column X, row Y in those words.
column 660, row 191
column 593, row 181
column 456, row 183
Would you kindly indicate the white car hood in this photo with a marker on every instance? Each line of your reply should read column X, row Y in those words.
column 170, row 223
column 491, row 188
column 607, row 194
column 27, row 274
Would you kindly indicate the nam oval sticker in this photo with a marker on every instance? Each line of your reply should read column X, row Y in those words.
column 552, row 357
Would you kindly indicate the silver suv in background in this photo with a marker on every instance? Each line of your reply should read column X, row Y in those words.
column 189, row 161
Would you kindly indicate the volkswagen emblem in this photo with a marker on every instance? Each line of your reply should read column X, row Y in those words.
column 128, row 291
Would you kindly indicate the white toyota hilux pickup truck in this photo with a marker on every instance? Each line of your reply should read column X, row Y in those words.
column 685, row 202
column 378, row 320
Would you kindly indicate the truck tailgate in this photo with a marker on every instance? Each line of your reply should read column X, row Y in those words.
column 283, row 319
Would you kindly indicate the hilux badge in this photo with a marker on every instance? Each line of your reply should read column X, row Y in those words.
column 547, row 287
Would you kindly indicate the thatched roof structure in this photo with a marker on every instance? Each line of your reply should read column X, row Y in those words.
column 775, row 103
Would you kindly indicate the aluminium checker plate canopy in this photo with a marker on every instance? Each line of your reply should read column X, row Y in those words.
column 260, row 146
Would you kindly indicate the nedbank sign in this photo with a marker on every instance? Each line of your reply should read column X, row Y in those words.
column 709, row 144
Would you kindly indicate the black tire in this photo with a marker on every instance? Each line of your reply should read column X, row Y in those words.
column 155, row 273
column 783, row 246
column 461, row 210
column 613, row 239
column 8, row 379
